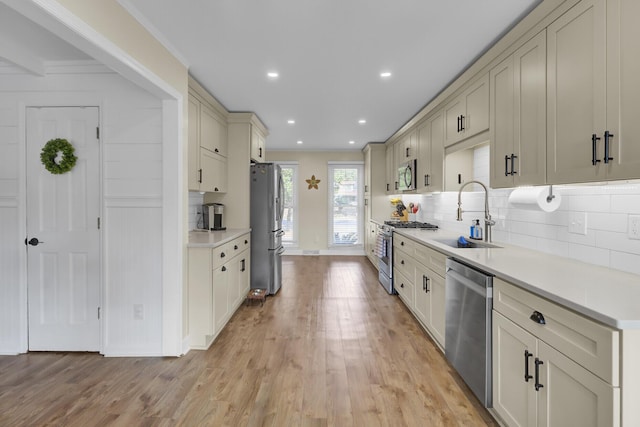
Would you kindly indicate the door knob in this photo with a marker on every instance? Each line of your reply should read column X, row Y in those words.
column 33, row 241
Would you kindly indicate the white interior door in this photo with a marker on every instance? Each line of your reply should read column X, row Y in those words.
column 63, row 256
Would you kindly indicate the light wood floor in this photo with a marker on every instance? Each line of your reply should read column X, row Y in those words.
column 331, row 349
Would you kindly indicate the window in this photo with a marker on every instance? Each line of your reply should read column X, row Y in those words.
column 345, row 204
column 290, row 215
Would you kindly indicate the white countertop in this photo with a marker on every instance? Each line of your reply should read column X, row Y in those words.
column 603, row 294
column 212, row 239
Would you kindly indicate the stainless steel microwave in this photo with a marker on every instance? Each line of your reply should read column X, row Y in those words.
column 407, row 176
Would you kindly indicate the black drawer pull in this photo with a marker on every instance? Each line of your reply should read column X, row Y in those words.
column 537, row 317
column 222, row 255
column 513, row 168
column 506, row 165
column 235, row 247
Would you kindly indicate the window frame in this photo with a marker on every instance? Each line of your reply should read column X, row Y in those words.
column 331, row 166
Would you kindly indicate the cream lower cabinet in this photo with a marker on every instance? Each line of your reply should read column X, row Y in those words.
column 419, row 280
column 560, row 373
column 218, row 281
column 371, row 241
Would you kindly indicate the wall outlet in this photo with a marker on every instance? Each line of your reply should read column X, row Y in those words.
column 578, row 223
column 634, row 227
column 138, row 311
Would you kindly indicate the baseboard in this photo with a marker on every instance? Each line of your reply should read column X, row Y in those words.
column 325, row 252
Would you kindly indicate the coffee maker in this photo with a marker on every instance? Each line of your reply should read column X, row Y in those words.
column 213, row 216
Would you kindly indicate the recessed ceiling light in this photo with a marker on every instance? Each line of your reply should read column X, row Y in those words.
column 272, row 75
column 385, row 74
column 352, row 142
column 362, row 121
column 299, row 142
column 291, row 122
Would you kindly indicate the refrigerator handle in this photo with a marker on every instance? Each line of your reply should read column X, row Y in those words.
column 280, row 198
column 280, row 233
column 280, row 251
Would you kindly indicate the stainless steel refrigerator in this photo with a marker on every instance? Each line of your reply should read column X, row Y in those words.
column 267, row 207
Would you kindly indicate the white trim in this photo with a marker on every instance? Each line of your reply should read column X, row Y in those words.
column 346, row 162
column 157, row 34
column 335, row 251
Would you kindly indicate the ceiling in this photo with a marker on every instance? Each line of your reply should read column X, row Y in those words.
column 328, row 55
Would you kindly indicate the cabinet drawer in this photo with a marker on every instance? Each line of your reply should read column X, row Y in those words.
column 431, row 258
column 405, row 288
column 221, row 254
column 590, row 344
column 404, row 263
column 403, row 243
column 238, row 245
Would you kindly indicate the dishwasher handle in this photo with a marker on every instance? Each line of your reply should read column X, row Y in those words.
column 467, row 283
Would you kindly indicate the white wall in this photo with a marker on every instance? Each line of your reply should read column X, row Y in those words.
column 131, row 134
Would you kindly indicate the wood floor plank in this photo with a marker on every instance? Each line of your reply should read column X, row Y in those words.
column 332, row 348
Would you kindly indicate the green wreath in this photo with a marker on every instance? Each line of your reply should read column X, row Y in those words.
column 50, row 152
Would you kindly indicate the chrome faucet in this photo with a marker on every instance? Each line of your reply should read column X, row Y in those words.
column 488, row 222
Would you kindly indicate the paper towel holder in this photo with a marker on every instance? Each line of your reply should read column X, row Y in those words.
column 551, row 196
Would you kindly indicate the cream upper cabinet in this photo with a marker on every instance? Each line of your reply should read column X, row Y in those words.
column 518, row 116
column 213, row 131
column 576, row 94
column 390, row 169
column 468, row 114
column 593, row 72
column 623, row 89
column 430, row 135
column 258, row 146
column 207, row 132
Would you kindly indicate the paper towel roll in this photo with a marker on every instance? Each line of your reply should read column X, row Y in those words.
column 534, row 198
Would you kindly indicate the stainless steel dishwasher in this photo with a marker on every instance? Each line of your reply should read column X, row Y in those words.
column 469, row 300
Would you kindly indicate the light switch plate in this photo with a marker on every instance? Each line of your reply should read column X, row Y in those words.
column 578, row 223
column 634, row 227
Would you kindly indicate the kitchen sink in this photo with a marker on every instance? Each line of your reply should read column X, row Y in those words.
column 473, row 244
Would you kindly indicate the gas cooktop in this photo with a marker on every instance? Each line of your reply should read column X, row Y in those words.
column 411, row 224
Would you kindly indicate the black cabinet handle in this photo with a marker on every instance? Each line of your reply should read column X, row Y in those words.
column 406, row 152
column 387, row 186
column 224, row 268
column 513, row 168
column 396, row 185
column 425, row 281
column 401, row 243
column 537, row 317
column 462, row 117
column 216, row 189
column 260, row 152
column 246, row 242
column 594, row 143
column 402, row 262
column 242, row 263
column 200, row 176
column 607, row 137
column 402, row 285
column 506, row 165
column 366, row 188
column 427, row 177
column 527, row 355
column 235, row 247
column 538, row 362
column 222, row 255
column 459, row 123
column 216, row 150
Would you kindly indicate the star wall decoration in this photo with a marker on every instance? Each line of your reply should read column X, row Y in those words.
column 313, row 182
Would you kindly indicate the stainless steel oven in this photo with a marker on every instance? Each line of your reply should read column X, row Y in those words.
column 384, row 251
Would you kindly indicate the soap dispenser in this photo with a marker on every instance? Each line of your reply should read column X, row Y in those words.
column 478, row 230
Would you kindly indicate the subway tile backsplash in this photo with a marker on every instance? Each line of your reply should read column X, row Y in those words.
column 607, row 208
